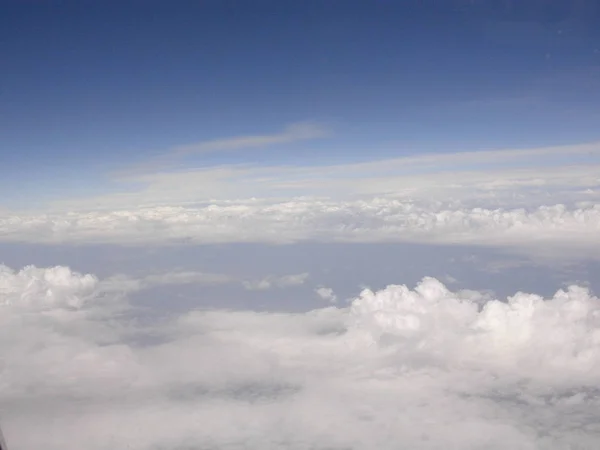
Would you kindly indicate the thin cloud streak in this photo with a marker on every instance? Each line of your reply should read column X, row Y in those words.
column 274, row 281
column 295, row 132
column 458, row 175
column 127, row 284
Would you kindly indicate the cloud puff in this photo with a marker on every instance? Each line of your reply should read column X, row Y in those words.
column 326, row 293
column 40, row 289
column 379, row 219
column 422, row 368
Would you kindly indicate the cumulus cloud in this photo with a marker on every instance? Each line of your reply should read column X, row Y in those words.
column 572, row 229
column 39, row 289
column 326, row 294
column 422, row 368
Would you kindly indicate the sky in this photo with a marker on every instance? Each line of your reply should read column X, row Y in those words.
column 300, row 225
column 88, row 87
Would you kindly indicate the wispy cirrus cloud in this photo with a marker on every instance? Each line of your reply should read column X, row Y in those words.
column 275, row 281
column 168, row 160
column 126, row 283
column 493, row 174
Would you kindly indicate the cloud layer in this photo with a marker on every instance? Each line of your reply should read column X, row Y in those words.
column 504, row 178
column 422, row 368
column 379, row 219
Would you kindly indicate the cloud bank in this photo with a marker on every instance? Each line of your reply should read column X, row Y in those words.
column 421, row 368
column 570, row 229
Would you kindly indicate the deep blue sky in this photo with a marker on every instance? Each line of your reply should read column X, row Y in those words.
column 90, row 85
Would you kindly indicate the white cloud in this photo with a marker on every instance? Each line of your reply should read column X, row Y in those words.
column 502, row 178
column 39, row 289
column 272, row 281
column 450, row 279
column 326, row 293
column 126, row 283
column 426, row 368
column 570, row 229
column 292, row 133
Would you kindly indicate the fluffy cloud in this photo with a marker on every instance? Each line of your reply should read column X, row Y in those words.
column 326, row 293
column 423, row 368
column 41, row 289
column 379, row 219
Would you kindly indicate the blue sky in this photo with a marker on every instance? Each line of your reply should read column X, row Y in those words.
column 88, row 87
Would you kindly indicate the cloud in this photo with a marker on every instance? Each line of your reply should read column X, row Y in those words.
column 126, row 283
column 421, row 368
column 326, row 293
column 292, row 133
column 450, row 279
column 274, row 281
column 489, row 178
column 39, row 289
column 570, row 229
